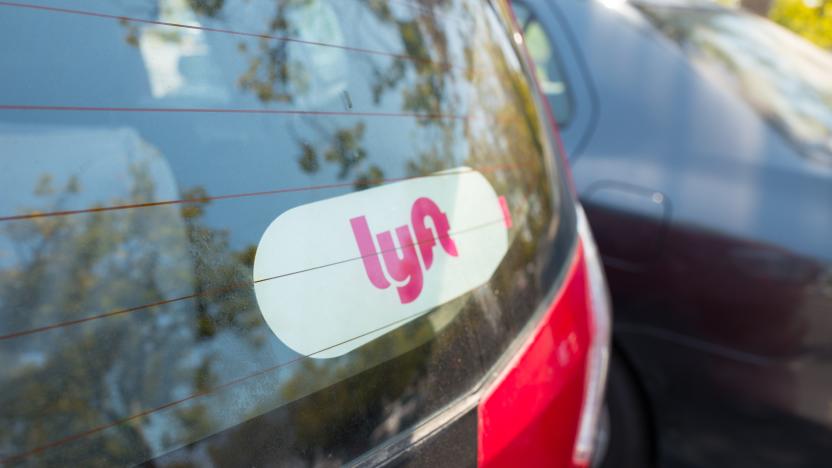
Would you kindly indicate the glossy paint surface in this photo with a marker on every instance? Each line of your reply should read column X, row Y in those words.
column 716, row 232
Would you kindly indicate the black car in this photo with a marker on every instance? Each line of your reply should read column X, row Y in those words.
column 701, row 143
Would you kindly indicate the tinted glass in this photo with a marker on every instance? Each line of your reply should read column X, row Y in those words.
column 787, row 80
column 145, row 148
column 549, row 68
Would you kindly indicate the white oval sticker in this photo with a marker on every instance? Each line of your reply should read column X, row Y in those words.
column 333, row 275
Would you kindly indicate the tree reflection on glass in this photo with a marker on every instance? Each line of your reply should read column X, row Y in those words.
column 159, row 377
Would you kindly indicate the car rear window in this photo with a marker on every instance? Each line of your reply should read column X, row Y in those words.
column 147, row 146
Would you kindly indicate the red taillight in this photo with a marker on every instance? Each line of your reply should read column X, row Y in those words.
column 599, row 349
column 542, row 410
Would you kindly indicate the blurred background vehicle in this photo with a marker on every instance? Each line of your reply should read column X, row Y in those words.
column 701, row 143
column 145, row 148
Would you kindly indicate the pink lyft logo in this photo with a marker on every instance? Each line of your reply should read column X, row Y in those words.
column 405, row 267
column 427, row 259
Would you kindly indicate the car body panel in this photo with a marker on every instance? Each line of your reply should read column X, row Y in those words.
column 715, row 233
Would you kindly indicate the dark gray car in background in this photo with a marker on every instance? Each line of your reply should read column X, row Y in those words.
column 701, row 145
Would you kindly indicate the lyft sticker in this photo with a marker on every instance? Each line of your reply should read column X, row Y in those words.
column 333, row 275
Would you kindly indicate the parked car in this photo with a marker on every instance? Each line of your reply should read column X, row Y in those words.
column 239, row 233
column 701, row 143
